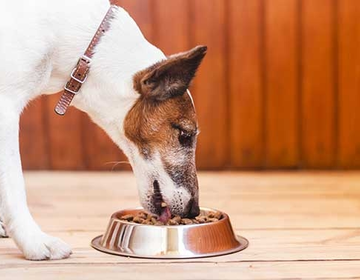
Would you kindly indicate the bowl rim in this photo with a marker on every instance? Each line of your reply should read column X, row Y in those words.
column 115, row 218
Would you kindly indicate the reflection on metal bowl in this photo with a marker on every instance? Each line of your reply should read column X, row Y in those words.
column 168, row 242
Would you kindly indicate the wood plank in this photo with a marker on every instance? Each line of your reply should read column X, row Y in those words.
column 172, row 25
column 319, row 133
column 349, row 87
column 265, row 246
column 245, row 84
column 33, row 137
column 281, row 83
column 252, row 200
column 65, row 137
column 252, row 271
column 209, row 88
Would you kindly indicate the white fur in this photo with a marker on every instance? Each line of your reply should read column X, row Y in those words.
column 191, row 98
column 41, row 41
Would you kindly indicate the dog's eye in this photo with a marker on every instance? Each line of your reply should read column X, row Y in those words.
column 185, row 138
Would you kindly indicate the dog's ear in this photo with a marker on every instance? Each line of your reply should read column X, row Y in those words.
column 170, row 77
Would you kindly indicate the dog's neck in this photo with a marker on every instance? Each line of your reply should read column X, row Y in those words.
column 108, row 93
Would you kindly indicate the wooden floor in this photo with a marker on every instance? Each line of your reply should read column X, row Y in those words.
column 300, row 226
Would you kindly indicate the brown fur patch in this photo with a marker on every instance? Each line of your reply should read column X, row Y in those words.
column 152, row 125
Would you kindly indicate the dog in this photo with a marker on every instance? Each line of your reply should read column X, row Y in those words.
column 133, row 91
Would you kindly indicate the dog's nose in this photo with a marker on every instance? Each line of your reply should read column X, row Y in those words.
column 194, row 209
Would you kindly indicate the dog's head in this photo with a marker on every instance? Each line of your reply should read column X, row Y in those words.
column 161, row 130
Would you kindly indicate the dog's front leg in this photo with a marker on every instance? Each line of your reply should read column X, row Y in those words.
column 35, row 244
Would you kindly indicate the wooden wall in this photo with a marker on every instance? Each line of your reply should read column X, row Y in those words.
column 279, row 88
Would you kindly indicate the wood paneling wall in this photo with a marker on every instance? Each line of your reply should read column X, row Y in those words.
column 279, row 88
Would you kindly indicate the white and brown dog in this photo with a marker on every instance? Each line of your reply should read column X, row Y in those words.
column 133, row 91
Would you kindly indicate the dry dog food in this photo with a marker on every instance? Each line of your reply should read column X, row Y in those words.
column 150, row 219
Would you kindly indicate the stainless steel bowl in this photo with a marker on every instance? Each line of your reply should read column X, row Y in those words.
column 168, row 242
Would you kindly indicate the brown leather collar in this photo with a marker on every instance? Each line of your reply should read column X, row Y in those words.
column 79, row 73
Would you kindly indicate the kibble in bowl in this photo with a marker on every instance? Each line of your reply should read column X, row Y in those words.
column 136, row 233
column 145, row 218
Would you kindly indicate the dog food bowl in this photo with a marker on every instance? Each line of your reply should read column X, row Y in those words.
column 168, row 242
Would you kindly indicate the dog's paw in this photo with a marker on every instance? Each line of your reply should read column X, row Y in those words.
column 2, row 230
column 45, row 247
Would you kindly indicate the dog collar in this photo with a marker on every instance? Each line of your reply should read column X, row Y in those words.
column 79, row 73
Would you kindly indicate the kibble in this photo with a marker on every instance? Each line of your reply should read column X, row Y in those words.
column 150, row 219
column 142, row 215
column 201, row 219
column 138, row 219
column 216, row 215
column 128, row 217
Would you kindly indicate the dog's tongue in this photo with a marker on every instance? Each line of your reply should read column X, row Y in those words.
column 165, row 214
